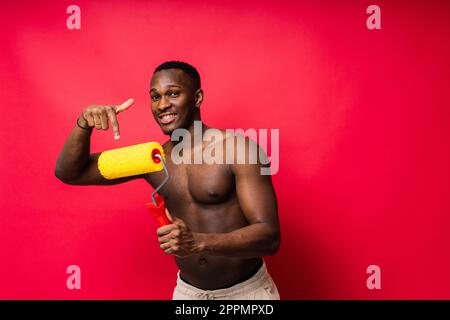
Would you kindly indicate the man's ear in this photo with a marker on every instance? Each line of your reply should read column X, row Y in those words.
column 198, row 98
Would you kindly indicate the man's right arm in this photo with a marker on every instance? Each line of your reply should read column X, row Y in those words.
column 75, row 164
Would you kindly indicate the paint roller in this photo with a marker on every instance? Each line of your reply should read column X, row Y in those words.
column 135, row 160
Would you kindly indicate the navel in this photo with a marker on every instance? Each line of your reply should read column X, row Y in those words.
column 202, row 261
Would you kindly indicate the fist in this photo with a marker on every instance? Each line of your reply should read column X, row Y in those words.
column 177, row 239
column 100, row 116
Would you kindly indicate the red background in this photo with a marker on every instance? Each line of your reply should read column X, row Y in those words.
column 364, row 127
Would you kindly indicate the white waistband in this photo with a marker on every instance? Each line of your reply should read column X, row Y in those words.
column 250, row 284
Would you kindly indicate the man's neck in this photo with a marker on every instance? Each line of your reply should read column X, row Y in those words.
column 196, row 130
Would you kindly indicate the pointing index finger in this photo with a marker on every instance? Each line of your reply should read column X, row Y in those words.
column 115, row 124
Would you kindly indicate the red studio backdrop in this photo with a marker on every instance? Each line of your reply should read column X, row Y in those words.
column 363, row 117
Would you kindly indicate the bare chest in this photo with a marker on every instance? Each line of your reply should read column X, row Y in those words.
column 198, row 183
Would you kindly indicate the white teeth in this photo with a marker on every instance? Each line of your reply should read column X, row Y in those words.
column 168, row 116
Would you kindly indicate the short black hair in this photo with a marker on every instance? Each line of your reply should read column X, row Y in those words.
column 186, row 67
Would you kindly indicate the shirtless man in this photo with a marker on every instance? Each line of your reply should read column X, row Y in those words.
column 224, row 216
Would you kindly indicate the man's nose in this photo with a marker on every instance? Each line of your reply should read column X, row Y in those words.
column 164, row 103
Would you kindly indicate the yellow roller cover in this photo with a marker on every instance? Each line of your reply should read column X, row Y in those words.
column 131, row 160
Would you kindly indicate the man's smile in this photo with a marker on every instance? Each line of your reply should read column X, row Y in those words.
column 167, row 117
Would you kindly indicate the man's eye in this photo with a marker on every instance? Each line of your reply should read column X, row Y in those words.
column 155, row 98
column 173, row 94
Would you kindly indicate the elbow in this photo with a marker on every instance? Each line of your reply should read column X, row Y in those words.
column 58, row 174
column 274, row 244
column 61, row 177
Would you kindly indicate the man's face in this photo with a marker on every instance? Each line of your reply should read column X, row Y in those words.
column 172, row 99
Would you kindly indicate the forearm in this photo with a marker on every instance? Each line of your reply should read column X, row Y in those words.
column 255, row 240
column 74, row 155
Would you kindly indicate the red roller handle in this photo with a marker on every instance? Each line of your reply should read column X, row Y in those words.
column 159, row 211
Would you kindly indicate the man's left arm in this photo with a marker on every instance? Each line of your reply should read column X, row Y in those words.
column 261, row 237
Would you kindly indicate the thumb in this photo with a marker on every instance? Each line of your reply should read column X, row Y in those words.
column 172, row 219
column 124, row 106
column 169, row 215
